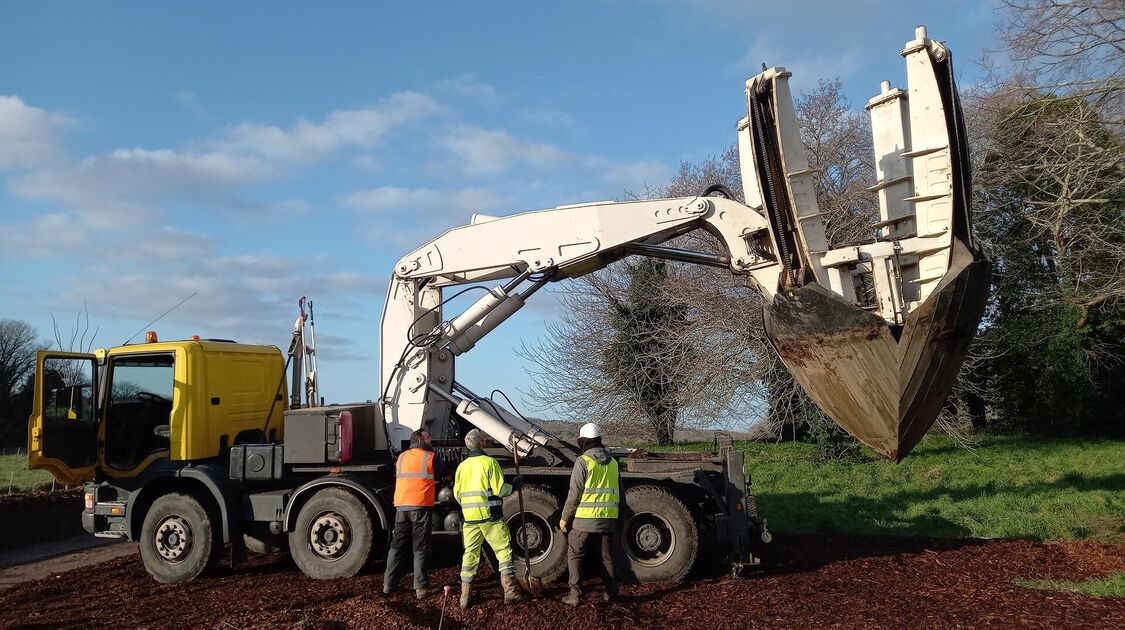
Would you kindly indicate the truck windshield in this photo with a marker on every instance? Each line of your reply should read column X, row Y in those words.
column 140, row 400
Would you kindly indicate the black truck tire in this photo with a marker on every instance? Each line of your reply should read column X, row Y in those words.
column 178, row 541
column 547, row 542
column 658, row 535
column 333, row 535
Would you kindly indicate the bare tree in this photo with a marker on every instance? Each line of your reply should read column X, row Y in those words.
column 724, row 370
column 838, row 145
column 18, row 344
column 80, row 339
column 1075, row 47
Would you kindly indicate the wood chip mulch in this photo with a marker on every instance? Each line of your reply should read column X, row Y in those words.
column 811, row 582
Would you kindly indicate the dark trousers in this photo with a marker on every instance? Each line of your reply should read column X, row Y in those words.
column 579, row 544
column 412, row 529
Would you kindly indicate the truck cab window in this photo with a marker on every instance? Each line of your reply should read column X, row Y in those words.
column 69, row 418
column 140, row 399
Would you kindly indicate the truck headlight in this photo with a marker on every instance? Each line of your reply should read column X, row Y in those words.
column 89, row 500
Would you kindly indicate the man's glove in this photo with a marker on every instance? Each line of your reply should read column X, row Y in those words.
column 517, row 482
column 562, row 525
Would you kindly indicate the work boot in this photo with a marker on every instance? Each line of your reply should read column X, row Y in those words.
column 466, row 593
column 513, row 594
column 423, row 593
column 573, row 598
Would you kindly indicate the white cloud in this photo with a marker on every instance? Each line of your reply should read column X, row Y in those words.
column 50, row 234
column 235, row 294
column 123, row 187
column 467, row 85
column 29, row 136
column 478, row 151
column 634, row 176
column 419, row 202
column 187, row 100
column 807, row 68
column 548, row 118
column 306, row 141
column 128, row 185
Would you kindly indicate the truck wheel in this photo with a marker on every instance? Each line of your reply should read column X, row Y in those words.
column 333, row 535
column 545, row 542
column 659, row 536
column 178, row 540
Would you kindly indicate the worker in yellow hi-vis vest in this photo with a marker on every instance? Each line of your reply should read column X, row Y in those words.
column 594, row 501
column 479, row 487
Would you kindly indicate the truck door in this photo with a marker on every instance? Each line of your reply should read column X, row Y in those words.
column 63, row 430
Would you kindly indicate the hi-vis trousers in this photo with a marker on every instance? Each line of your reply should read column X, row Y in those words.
column 474, row 536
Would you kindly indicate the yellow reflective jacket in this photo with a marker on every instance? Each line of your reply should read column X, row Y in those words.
column 479, row 486
column 601, row 496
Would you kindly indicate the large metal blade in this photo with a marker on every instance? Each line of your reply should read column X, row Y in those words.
column 885, row 392
column 875, row 331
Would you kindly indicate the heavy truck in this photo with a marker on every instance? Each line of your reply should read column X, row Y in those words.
column 191, row 447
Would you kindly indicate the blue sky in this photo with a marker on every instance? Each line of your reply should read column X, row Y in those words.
column 256, row 152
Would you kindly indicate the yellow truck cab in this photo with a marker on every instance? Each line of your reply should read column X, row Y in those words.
column 182, row 401
column 153, row 424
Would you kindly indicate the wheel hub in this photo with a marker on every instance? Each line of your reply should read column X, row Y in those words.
column 535, row 536
column 329, row 535
column 529, row 536
column 649, row 538
column 173, row 538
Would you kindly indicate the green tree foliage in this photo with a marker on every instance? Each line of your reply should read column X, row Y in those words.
column 645, row 335
column 1052, row 207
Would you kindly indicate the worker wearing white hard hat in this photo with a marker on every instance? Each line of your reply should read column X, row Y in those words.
column 593, row 503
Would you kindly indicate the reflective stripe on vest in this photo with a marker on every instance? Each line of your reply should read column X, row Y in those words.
column 601, row 497
column 414, row 479
column 473, row 488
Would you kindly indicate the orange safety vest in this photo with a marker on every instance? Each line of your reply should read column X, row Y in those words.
column 414, row 479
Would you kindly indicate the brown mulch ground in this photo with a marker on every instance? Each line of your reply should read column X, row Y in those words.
column 814, row 582
column 56, row 515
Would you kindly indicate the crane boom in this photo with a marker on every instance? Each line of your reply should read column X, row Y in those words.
column 874, row 331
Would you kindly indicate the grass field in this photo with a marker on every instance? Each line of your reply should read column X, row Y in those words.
column 15, row 477
column 1112, row 586
column 1005, row 487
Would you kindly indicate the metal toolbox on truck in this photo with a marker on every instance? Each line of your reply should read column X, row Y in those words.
column 330, row 435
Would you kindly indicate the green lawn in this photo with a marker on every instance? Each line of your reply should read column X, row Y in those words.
column 15, row 475
column 1005, row 487
column 1111, row 586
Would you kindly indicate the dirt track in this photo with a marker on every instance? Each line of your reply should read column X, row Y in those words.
column 816, row 582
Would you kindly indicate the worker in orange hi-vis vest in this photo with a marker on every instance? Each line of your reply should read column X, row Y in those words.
column 415, row 472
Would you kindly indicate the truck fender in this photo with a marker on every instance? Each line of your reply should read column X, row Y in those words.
column 301, row 494
column 210, row 476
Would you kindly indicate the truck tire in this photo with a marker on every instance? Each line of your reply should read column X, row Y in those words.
column 333, row 535
column 658, row 535
column 548, row 544
column 178, row 541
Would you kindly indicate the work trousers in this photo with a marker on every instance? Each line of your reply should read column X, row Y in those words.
column 474, row 536
column 412, row 529
column 579, row 543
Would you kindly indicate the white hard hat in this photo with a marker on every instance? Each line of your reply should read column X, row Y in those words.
column 590, row 430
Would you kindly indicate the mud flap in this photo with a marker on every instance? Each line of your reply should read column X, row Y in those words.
column 885, row 392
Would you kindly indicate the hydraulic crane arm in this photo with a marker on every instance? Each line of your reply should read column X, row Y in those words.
column 875, row 331
column 533, row 247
